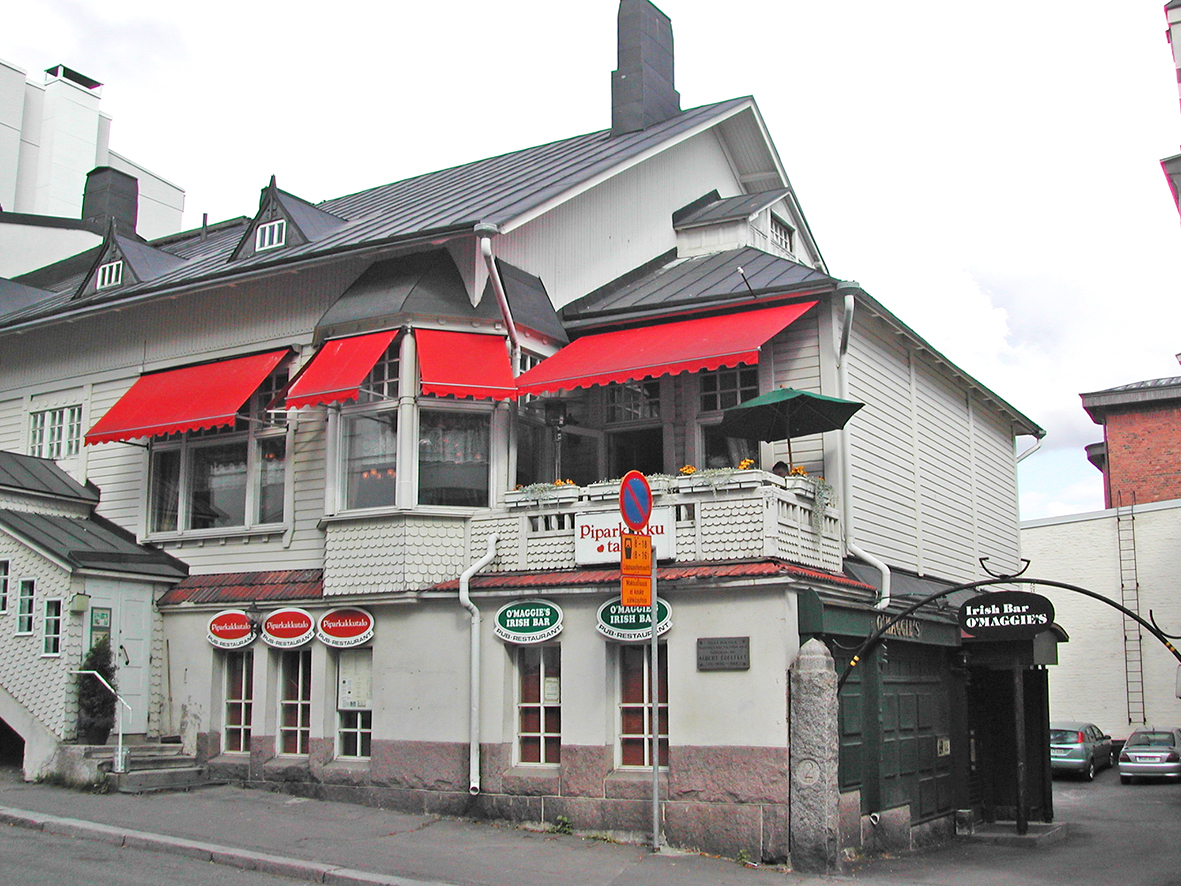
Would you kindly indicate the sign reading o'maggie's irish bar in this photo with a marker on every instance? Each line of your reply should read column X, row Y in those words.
column 629, row 623
column 528, row 621
column 1006, row 615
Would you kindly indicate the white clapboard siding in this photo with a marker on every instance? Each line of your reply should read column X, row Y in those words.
column 12, row 423
column 795, row 363
column 619, row 224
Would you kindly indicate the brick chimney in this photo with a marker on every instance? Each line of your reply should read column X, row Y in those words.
column 642, row 92
column 111, row 194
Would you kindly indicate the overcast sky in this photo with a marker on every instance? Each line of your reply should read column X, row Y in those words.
column 988, row 171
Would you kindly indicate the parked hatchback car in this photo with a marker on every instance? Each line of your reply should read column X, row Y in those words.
column 1150, row 752
column 1081, row 748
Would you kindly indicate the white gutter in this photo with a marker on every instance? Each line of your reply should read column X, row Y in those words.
column 1037, row 444
column 846, row 459
column 486, row 232
column 473, row 759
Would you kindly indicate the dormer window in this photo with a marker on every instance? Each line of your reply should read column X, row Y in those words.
column 110, row 275
column 271, row 235
column 783, row 235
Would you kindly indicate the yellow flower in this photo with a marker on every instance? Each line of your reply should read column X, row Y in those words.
column 745, row 464
column 798, row 471
column 688, row 469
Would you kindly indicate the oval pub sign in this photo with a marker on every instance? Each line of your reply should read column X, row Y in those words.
column 230, row 629
column 1006, row 615
column 288, row 628
column 528, row 621
column 632, row 623
column 342, row 628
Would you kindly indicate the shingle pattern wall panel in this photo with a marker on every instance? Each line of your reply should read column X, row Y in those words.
column 508, row 542
column 393, row 554
column 552, row 551
column 13, row 501
column 435, row 550
column 730, row 529
column 43, row 686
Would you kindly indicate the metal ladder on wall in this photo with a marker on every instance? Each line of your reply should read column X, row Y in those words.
column 1125, row 528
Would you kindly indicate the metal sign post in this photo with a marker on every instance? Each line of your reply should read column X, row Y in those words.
column 635, row 506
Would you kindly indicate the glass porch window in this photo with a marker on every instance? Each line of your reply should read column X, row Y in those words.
column 453, row 458
column 635, row 708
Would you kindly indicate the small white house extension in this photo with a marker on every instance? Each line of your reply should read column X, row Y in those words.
column 385, row 434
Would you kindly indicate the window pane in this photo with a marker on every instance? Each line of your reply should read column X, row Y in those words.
column 218, row 486
column 453, row 458
column 165, row 489
column 371, row 456
column 727, row 452
column 272, row 461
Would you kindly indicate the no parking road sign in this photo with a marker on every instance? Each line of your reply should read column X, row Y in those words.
column 635, row 500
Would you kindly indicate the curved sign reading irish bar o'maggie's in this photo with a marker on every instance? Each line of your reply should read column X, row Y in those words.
column 288, row 628
column 528, row 621
column 342, row 628
column 1006, row 615
column 231, row 629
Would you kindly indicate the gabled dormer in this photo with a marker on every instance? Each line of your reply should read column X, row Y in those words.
column 283, row 221
column 768, row 220
column 123, row 262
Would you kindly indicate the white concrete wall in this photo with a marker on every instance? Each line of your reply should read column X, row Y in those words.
column 1089, row 680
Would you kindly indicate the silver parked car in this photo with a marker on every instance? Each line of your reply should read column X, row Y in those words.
column 1081, row 748
column 1151, row 752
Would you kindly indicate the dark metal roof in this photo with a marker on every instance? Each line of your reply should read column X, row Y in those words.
column 41, row 476
column 313, row 222
column 1150, row 393
column 17, row 296
column 529, row 301
column 695, row 281
column 247, row 587
column 684, row 572
column 496, row 190
column 147, row 262
column 91, row 543
column 737, row 208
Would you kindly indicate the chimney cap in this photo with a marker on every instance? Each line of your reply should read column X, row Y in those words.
column 63, row 73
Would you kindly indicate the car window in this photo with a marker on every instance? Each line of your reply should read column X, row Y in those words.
column 1151, row 739
column 1064, row 736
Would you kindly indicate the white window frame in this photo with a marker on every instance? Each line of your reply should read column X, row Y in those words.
column 243, row 705
column 109, row 275
column 52, row 625
column 302, row 705
column 270, row 235
column 26, row 593
column 5, row 573
column 540, row 705
column 56, row 433
column 645, row 706
column 256, row 430
column 361, row 730
column 428, row 403
column 783, row 235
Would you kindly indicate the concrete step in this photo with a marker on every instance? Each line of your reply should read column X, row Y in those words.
column 139, row 781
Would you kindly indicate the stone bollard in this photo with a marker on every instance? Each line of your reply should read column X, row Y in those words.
column 813, row 752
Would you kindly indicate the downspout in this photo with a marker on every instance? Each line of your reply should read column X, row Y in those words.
column 1037, row 444
column 486, row 232
column 465, row 600
column 846, row 459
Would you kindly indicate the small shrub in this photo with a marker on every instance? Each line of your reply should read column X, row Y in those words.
column 562, row 825
column 96, row 703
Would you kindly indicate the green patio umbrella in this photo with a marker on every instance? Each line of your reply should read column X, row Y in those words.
column 786, row 413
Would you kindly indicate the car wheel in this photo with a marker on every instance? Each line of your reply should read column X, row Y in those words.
column 1125, row 779
column 1089, row 775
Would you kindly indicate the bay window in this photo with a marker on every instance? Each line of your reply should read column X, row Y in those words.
column 222, row 478
column 453, row 457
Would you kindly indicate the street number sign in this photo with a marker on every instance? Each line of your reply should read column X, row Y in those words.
column 635, row 500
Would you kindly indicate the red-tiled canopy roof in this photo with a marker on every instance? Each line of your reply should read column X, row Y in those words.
column 244, row 587
column 685, row 572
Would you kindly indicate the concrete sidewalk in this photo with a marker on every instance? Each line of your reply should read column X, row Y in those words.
column 340, row 843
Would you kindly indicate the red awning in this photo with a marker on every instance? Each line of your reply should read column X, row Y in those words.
column 185, row 399
column 464, row 364
column 663, row 349
column 336, row 372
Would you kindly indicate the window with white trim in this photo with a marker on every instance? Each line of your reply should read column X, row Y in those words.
column 109, row 275
column 24, row 605
column 635, row 707
column 783, row 235
column 221, row 478
column 239, row 699
column 369, row 437
column 295, row 701
column 51, row 628
column 270, row 235
column 3, row 587
column 354, row 703
column 56, row 433
column 454, row 457
column 539, row 704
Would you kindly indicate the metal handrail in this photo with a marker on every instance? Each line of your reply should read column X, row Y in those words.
column 120, row 763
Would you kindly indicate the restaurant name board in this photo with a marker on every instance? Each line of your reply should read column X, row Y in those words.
column 1006, row 615
column 629, row 623
column 345, row 627
column 288, row 628
column 596, row 536
column 231, row 629
column 528, row 621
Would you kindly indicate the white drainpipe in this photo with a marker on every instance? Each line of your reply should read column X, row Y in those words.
column 473, row 758
column 486, row 232
column 846, row 459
